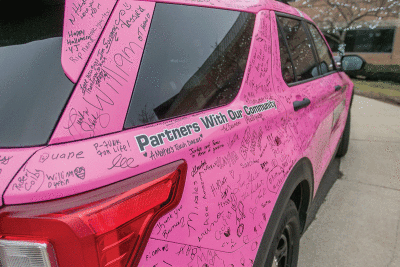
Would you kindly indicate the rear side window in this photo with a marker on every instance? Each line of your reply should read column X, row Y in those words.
column 325, row 57
column 300, row 48
column 33, row 87
column 194, row 59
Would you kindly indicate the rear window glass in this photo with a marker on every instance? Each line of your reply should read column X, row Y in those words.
column 194, row 59
column 33, row 86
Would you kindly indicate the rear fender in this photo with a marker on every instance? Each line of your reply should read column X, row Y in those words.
column 301, row 172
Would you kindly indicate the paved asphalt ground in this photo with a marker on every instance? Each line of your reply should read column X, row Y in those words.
column 358, row 224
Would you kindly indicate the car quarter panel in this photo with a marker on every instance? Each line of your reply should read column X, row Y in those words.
column 11, row 161
column 238, row 157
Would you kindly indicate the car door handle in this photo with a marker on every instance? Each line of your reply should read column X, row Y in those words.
column 301, row 104
column 337, row 88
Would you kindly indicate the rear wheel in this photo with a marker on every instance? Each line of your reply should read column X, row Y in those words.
column 285, row 245
column 344, row 143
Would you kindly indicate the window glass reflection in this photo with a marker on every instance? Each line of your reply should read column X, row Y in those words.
column 325, row 57
column 194, row 59
column 300, row 48
column 286, row 63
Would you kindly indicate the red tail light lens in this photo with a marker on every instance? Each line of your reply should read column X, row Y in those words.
column 104, row 227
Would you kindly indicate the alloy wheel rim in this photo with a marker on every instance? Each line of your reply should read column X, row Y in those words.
column 283, row 252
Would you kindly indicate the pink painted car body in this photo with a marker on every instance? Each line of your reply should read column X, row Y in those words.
column 236, row 169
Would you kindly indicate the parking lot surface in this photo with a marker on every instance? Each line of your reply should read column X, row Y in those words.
column 359, row 222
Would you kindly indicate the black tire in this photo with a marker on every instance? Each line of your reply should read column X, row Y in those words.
column 285, row 245
column 344, row 143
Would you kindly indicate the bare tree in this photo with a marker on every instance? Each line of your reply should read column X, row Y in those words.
column 336, row 17
column 146, row 116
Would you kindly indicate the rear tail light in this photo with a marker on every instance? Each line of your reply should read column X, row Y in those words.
column 28, row 254
column 105, row 227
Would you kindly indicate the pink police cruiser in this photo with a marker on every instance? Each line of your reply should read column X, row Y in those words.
column 168, row 133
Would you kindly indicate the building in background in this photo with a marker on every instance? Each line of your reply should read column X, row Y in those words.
column 368, row 28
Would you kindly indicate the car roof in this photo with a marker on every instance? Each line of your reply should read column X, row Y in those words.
column 252, row 6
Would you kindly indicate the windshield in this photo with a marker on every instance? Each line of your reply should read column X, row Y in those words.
column 33, row 86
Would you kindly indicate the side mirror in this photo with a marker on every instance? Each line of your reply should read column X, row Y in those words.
column 352, row 63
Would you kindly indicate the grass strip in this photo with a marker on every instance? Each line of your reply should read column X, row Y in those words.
column 384, row 91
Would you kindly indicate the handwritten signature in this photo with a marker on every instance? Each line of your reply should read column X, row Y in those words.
column 86, row 121
column 5, row 159
column 122, row 162
column 29, row 180
column 111, row 38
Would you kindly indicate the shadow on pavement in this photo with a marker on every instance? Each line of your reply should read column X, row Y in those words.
column 331, row 175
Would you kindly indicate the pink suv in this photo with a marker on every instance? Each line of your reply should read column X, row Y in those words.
column 168, row 133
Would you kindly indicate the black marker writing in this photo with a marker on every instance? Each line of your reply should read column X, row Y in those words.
column 5, row 159
column 122, row 162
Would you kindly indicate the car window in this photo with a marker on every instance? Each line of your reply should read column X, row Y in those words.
column 193, row 60
column 36, row 20
column 286, row 62
column 300, row 48
column 33, row 88
column 325, row 57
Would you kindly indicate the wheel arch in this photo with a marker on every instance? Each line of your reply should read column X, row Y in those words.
column 299, row 186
